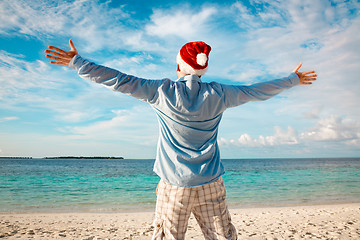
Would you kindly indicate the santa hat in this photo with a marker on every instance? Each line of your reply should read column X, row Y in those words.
column 193, row 58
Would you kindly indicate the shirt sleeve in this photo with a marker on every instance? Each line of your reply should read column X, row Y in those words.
column 142, row 89
column 236, row 95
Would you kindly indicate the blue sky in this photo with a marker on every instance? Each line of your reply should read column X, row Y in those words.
column 48, row 110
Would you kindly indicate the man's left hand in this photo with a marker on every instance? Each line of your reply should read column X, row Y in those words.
column 305, row 77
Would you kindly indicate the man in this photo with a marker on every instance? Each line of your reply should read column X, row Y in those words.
column 189, row 112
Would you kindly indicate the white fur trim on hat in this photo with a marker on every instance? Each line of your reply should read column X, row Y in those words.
column 187, row 69
column 201, row 59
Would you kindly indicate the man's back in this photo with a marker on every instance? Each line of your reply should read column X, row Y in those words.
column 189, row 113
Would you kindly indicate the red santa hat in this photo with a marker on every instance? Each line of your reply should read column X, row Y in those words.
column 193, row 58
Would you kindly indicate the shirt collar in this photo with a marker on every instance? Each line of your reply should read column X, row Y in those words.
column 190, row 78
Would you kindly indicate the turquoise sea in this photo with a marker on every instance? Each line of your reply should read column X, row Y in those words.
column 117, row 185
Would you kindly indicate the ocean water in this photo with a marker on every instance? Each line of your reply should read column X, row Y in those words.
column 114, row 185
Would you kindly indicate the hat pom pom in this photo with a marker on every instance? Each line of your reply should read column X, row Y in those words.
column 201, row 59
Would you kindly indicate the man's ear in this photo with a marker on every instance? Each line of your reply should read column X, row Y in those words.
column 178, row 68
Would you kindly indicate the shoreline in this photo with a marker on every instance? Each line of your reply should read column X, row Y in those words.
column 330, row 221
column 150, row 209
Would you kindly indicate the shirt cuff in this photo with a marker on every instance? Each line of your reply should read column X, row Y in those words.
column 294, row 78
column 73, row 61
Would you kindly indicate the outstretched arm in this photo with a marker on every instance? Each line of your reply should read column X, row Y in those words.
column 60, row 56
column 143, row 89
column 237, row 95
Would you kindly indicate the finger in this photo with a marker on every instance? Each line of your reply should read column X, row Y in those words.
column 57, row 49
column 72, row 46
column 298, row 67
column 57, row 63
column 314, row 75
column 306, row 83
column 309, row 80
column 53, row 53
column 308, row 72
column 52, row 57
column 56, row 58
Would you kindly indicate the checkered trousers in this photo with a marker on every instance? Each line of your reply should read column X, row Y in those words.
column 207, row 202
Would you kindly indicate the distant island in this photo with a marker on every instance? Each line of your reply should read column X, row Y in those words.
column 82, row 157
column 63, row 157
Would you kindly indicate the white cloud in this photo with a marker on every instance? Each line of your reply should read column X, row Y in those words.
column 334, row 128
column 269, row 15
column 35, row 19
column 280, row 137
column 126, row 125
column 5, row 119
column 23, row 82
column 314, row 113
column 275, row 46
column 18, row 75
column 140, row 65
column 185, row 23
column 99, row 129
column 330, row 129
column 28, row 86
column 95, row 23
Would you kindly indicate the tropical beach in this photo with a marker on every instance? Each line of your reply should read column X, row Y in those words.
column 77, row 160
column 115, row 199
column 340, row 221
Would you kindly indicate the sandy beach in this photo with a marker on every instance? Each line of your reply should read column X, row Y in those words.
column 341, row 221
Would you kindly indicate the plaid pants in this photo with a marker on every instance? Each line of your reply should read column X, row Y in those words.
column 207, row 202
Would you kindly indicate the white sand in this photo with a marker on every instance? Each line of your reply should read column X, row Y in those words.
column 340, row 221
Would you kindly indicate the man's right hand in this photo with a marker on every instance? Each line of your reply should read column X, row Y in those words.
column 60, row 56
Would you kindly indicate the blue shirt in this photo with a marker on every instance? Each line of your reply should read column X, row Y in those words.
column 189, row 112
